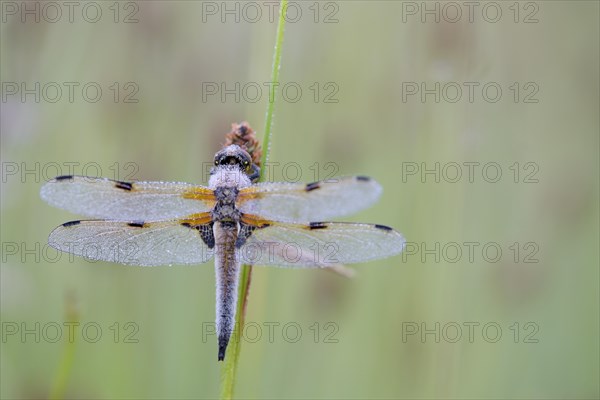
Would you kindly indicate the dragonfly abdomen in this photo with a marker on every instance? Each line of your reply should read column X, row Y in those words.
column 227, row 268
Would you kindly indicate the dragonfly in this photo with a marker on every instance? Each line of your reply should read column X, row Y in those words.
column 234, row 220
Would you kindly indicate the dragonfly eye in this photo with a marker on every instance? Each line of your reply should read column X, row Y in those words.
column 229, row 160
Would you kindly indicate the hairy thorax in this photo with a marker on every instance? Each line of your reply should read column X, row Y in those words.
column 226, row 183
column 228, row 176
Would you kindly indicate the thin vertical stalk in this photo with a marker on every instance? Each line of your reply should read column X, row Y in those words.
column 266, row 143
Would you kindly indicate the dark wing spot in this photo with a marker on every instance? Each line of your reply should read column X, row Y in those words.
column 71, row 223
column 206, row 233
column 317, row 225
column 363, row 178
column 383, row 227
column 64, row 178
column 123, row 185
column 245, row 232
column 136, row 224
column 312, row 186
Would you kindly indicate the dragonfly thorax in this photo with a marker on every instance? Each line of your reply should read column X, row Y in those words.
column 230, row 176
column 225, row 209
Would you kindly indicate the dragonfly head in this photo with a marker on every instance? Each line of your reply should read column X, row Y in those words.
column 234, row 155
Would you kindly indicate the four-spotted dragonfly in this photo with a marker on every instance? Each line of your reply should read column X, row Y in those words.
column 232, row 220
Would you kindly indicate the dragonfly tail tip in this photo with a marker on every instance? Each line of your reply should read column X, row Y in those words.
column 223, row 341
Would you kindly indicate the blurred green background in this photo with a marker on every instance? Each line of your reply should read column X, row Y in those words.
column 365, row 56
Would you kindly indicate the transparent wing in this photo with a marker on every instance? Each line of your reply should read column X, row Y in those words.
column 320, row 244
column 106, row 198
column 299, row 202
column 134, row 243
